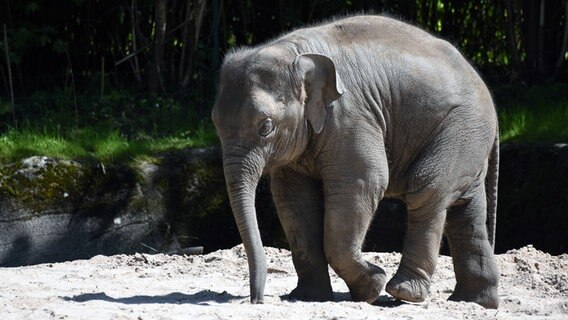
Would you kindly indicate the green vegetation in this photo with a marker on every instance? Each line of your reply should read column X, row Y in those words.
column 116, row 127
column 538, row 113
column 102, row 144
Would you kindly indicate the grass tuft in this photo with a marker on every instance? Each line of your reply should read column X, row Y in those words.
column 538, row 113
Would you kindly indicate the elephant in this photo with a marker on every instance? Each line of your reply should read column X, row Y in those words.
column 341, row 115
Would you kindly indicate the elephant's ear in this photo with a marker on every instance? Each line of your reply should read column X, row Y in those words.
column 321, row 86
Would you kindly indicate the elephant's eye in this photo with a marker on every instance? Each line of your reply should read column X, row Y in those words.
column 266, row 127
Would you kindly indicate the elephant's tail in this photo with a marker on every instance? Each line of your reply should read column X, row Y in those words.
column 491, row 190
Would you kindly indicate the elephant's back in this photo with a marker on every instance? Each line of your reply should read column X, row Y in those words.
column 391, row 50
column 371, row 31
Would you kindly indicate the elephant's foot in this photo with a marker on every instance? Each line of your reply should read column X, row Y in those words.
column 408, row 286
column 367, row 287
column 313, row 289
column 308, row 293
column 488, row 298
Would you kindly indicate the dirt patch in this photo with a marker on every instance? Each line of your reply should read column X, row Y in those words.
column 534, row 285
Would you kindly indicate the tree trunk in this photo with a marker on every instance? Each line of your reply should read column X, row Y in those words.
column 186, row 38
column 216, row 24
column 157, row 67
column 9, row 66
column 530, row 26
column 512, row 41
column 135, row 64
column 540, row 62
column 192, row 40
column 562, row 55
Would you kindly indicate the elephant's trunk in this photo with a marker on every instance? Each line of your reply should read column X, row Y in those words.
column 242, row 174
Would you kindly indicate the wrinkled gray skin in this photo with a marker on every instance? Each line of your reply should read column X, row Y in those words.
column 344, row 114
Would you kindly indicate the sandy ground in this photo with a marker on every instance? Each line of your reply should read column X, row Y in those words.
column 534, row 285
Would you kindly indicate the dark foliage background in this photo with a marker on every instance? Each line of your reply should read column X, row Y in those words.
column 82, row 56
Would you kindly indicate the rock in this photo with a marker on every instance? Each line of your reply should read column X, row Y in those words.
column 53, row 210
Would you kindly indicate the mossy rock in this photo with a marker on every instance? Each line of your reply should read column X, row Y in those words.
column 54, row 210
column 40, row 183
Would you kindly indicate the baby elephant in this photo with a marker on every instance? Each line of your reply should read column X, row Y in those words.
column 343, row 114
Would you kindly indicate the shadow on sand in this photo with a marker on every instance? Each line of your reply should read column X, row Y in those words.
column 384, row 301
column 205, row 297
column 201, row 298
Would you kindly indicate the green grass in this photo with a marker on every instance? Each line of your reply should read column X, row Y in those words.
column 102, row 144
column 117, row 127
column 526, row 124
column 538, row 113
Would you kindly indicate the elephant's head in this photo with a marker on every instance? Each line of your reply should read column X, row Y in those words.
column 270, row 103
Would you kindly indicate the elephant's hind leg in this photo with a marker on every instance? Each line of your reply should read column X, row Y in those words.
column 476, row 272
column 299, row 202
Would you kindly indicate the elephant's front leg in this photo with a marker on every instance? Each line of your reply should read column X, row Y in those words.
column 299, row 202
column 351, row 201
column 419, row 255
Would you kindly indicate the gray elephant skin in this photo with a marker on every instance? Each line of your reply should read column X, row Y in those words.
column 343, row 114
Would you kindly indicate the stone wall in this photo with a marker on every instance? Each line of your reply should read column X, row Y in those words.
column 53, row 210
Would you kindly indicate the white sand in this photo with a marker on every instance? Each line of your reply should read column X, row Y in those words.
column 534, row 285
